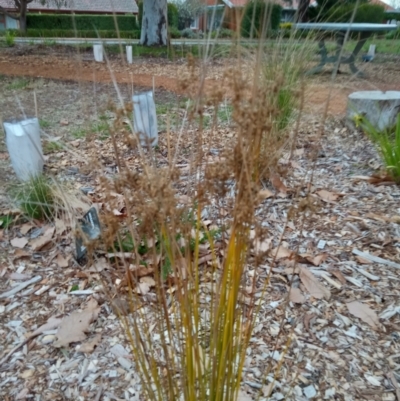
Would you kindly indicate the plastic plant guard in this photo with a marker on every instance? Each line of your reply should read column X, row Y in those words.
column 90, row 227
column 129, row 57
column 98, row 53
column 24, row 146
column 145, row 118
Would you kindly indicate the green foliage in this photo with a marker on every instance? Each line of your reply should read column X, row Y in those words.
column 173, row 15
column 372, row 13
column 286, row 104
column 10, row 38
column 388, row 143
column 18, row 83
column 342, row 11
column 50, row 147
column 36, row 198
column 393, row 35
column 65, row 33
column 390, row 16
column 81, row 22
column 6, row 221
column 259, row 15
column 44, row 123
column 188, row 33
column 174, row 33
column 223, row 33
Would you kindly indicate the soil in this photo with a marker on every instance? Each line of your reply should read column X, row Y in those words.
column 66, row 64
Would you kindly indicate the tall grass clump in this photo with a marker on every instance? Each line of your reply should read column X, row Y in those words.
column 36, row 198
column 188, row 249
column 388, row 144
column 10, row 38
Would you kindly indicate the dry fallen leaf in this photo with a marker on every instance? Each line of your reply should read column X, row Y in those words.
column 148, row 280
column 89, row 345
column 313, row 286
column 339, row 275
column 99, row 265
column 296, row 296
column 38, row 243
column 364, row 312
column 363, row 261
column 317, row 260
column 25, row 228
column 278, row 184
column 265, row 194
column 142, row 288
column 327, row 196
column 51, row 324
column 20, row 253
column 74, row 326
column 61, row 261
column 262, row 246
column 281, row 252
column 19, row 242
column 60, row 226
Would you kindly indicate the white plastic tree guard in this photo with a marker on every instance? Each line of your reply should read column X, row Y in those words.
column 129, row 57
column 98, row 53
column 145, row 118
column 380, row 109
column 24, row 146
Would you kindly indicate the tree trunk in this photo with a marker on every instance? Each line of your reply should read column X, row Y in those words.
column 154, row 23
column 22, row 18
column 302, row 15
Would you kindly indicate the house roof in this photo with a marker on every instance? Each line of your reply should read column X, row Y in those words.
column 382, row 3
column 235, row 3
column 293, row 4
column 90, row 6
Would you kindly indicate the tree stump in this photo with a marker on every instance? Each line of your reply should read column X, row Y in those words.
column 380, row 109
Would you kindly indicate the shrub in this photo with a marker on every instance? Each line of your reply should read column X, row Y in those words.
column 372, row 13
column 330, row 10
column 223, row 33
column 173, row 15
column 388, row 16
column 70, row 33
column 188, row 33
column 285, row 25
column 81, row 22
column 10, row 38
column 174, row 33
column 256, row 16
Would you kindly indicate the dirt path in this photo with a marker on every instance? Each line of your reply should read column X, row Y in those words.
column 166, row 75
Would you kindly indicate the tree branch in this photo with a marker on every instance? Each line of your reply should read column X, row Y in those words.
column 5, row 12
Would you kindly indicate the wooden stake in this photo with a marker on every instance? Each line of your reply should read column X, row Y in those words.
column 35, row 100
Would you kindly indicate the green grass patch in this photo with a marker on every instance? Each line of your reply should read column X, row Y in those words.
column 36, row 198
column 50, row 147
column 44, row 123
column 6, row 221
column 18, row 83
column 388, row 144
